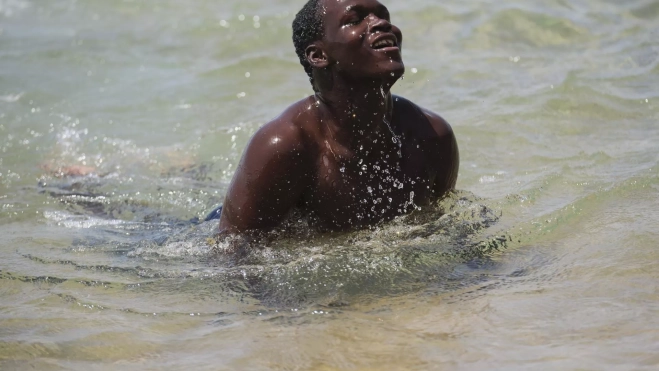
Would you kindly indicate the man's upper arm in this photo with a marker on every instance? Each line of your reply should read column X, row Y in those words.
column 445, row 153
column 270, row 179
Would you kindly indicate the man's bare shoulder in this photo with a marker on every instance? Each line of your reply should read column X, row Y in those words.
column 438, row 141
column 288, row 132
column 271, row 176
column 438, row 128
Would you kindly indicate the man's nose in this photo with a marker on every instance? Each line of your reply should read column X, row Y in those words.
column 377, row 24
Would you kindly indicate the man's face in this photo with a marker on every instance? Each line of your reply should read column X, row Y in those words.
column 360, row 39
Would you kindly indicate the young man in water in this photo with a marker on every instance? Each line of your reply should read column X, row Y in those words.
column 350, row 155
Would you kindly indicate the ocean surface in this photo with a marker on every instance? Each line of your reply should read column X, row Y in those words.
column 546, row 258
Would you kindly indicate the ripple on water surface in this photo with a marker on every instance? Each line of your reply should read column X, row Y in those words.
column 298, row 267
column 554, row 105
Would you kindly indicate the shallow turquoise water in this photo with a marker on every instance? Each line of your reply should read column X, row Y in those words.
column 547, row 259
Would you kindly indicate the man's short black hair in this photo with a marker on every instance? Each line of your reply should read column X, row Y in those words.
column 307, row 28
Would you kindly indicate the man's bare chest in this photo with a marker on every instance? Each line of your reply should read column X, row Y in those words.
column 362, row 191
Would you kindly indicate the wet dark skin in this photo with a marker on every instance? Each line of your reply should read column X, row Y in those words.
column 352, row 155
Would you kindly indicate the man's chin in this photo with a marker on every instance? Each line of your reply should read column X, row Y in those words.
column 394, row 72
column 389, row 72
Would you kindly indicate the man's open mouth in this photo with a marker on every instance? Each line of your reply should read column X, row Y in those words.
column 385, row 42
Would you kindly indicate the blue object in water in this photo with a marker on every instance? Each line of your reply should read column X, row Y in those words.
column 215, row 214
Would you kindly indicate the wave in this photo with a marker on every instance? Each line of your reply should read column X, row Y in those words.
column 301, row 266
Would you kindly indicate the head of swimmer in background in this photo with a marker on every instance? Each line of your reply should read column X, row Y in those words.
column 352, row 40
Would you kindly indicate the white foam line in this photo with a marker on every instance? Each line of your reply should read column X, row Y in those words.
column 80, row 222
column 11, row 98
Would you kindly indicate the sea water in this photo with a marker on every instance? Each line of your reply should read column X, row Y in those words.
column 545, row 258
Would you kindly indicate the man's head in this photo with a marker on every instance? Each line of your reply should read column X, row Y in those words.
column 307, row 28
column 352, row 37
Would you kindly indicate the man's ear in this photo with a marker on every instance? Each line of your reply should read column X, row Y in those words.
column 316, row 56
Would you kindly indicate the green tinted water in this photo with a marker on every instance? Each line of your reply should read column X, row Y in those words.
column 546, row 259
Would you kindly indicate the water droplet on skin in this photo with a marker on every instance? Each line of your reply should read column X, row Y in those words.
column 325, row 161
column 343, row 169
column 364, row 167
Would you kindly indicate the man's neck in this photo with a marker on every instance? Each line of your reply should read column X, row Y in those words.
column 358, row 113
